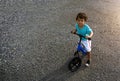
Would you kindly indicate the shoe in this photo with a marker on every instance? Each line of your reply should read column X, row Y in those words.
column 87, row 63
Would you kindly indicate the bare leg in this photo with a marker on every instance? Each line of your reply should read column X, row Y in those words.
column 89, row 58
column 89, row 55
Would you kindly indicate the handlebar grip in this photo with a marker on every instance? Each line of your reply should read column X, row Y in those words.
column 83, row 36
column 89, row 38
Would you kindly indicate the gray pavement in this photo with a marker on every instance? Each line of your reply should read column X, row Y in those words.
column 36, row 44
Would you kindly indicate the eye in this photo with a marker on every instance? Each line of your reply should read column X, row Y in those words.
column 81, row 20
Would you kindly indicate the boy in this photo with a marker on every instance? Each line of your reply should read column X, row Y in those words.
column 82, row 28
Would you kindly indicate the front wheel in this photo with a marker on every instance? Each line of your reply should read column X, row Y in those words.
column 74, row 64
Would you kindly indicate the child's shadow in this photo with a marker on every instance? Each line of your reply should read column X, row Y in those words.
column 61, row 74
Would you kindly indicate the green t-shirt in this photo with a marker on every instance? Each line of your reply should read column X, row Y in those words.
column 84, row 31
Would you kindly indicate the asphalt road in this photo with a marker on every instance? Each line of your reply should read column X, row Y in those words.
column 36, row 44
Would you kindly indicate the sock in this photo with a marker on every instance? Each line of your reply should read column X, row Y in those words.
column 88, row 61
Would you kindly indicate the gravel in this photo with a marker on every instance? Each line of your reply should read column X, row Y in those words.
column 36, row 44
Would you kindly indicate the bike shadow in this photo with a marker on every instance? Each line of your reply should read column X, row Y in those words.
column 61, row 74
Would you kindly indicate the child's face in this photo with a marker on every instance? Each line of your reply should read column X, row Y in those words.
column 80, row 22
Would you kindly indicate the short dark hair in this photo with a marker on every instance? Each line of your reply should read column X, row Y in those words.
column 82, row 16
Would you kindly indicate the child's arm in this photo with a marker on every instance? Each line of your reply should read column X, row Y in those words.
column 74, row 31
column 89, row 36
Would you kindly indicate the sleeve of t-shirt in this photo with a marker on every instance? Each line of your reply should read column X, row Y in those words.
column 89, row 30
column 76, row 25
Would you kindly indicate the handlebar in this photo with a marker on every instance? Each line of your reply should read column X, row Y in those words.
column 82, row 36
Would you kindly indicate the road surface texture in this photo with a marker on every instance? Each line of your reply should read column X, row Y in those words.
column 36, row 44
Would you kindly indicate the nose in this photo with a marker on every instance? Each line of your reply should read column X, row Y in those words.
column 80, row 22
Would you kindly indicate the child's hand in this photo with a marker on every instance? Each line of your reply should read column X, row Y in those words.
column 87, row 36
column 73, row 31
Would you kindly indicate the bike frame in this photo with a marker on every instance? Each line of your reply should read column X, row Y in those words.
column 81, row 48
